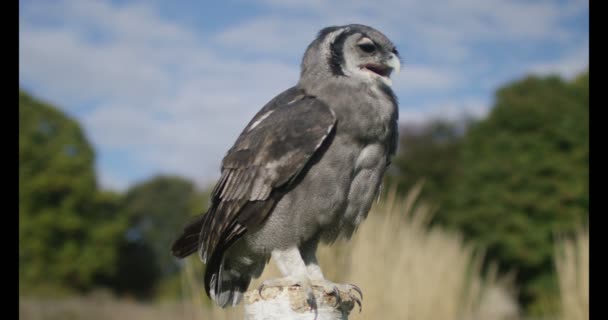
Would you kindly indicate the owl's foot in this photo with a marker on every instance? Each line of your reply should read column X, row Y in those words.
column 292, row 281
column 337, row 289
column 343, row 293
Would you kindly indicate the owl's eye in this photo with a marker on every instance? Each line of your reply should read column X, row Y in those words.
column 367, row 47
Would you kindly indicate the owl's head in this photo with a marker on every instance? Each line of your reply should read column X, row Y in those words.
column 358, row 52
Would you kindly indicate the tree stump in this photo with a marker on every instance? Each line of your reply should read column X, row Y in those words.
column 289, row 303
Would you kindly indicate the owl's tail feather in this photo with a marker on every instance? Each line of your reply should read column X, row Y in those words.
column 188, row 242
column 225, row 280
column 225, row 285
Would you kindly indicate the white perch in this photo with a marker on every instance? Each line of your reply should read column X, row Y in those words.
column 289, row 303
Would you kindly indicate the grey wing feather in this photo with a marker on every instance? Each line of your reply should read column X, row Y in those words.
column 270, row 153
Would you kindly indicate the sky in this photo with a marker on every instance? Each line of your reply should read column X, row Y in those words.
column 165, row 87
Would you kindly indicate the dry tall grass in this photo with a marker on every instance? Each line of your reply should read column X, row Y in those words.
column 572, row 264
column 406, row 270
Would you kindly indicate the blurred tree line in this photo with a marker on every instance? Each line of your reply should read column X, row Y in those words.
column 510, row 182
column 74, row 237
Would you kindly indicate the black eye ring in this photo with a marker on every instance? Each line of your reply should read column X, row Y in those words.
column 367, row 47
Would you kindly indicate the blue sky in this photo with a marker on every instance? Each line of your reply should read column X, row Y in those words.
column 167, row 86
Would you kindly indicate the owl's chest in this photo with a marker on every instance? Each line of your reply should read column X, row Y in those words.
column 368, row 116
column 356, row 177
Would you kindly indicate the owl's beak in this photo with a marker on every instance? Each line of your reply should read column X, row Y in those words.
column 384, row 69
column 393, row 63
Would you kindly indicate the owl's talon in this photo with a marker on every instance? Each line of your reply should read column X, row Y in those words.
column 359, row 303
column 336, row 293
column 260, row 288
column 312, row 301
column 356, row 288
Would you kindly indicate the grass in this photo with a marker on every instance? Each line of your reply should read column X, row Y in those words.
column 105, row 308
column 572, row 266
column 406, row 269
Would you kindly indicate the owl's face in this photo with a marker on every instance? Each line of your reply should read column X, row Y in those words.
column 369, row 57
column 360, row 53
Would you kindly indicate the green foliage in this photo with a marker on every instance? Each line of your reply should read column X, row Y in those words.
column 74, row 237
column 156, row 210
column 428, row 152
column 67, row 229
column 523, row 176
column 138, row 270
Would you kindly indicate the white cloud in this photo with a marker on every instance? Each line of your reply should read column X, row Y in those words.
column 455, row 109
column 423, row 77
column 76, row 71
column 176, row 108
column 441, row 29
column 115, row 182
column 131, row 22
column 567, row 66
column 269, row 36
column 176, row 101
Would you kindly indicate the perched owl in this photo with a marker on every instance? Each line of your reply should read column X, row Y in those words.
column 305, row 170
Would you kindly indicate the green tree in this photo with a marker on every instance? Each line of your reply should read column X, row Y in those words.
column 524, row 176
column 428, row 152
column 157, row 210
column 68, row 230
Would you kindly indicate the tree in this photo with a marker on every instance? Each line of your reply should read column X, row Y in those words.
column 428, row 152
column 524, row 176
column 68, row 230
column 157, row 210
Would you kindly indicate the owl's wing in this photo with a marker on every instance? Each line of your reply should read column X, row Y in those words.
column 267, row 157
